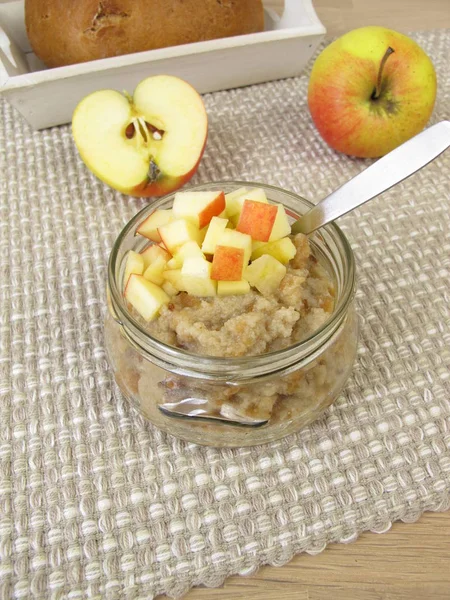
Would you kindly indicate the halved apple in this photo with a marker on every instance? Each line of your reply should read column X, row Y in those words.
column 146, row 145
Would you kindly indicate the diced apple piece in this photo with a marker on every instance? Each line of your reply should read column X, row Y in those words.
column 154, row 272
column 233, row 221
column 178, row 232
column 149, row 227
column 216, row 228
column 283, row 250
column 235, row 204
column 152, row 252
column 146, row 297
column 198, row 207
column 173, row 264
column 170, row 289
column 257, row 219
column 196, row 273
column 227, row 264
column 233, row 288
column 236, row 239
column 265, row 274
column 231, row 206
column 281, row 227
column 134, row 264
column 186, row 250
column 256, row 194
column 175, row 278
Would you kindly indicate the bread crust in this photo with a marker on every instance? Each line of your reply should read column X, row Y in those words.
column 64, row 32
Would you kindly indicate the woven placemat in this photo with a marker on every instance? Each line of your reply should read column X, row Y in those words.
column 95, row 502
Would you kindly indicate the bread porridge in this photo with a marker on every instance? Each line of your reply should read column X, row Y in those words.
column 256, row 320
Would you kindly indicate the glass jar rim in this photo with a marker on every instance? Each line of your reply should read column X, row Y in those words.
column 305, row 348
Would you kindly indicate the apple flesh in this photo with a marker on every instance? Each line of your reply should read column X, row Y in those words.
column 198, row 207
column 265, row 274
column 147, row 145
column 371, row 90
column 149, row 227
column 228, row 264
column 233, row 288
column 257, row 220
column 135, row 264
column 146, row 297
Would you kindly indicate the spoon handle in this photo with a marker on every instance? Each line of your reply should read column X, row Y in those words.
column 379, row 177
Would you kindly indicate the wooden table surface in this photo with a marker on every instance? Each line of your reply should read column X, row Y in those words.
column 411, row 561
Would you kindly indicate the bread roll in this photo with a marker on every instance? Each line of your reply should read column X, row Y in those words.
column 63, row 32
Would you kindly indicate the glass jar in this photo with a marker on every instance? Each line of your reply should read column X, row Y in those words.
column 291, row 386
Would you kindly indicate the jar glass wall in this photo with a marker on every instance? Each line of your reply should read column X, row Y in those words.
column 288, row 388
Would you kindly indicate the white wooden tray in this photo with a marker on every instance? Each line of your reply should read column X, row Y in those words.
column 47, row 97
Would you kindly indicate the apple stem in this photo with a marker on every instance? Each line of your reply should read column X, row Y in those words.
column 377, row 90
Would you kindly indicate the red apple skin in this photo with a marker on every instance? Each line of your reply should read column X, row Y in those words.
column 213, row 210
column 257, row 220
column 164, row 184
column 228, row 264
column 343, row 79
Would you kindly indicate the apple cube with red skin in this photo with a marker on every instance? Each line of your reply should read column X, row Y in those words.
column 149, row 227
column 265, row 274
column 236, row 239
column 153, row 252
column 227, row 264
column 145, row 297
column 234, row 201
column 281, row 227
column 257, row 220
column 216, row 228
column 283, row 250
column 233, row 288
column 134, row 264
column 198, row 207
column 196, row 273
column 178, row 232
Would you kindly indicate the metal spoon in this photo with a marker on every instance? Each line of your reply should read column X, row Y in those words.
column 379, row 177
column 373, row 181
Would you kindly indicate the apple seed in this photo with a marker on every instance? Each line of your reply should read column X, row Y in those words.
column 157, row 133
column 129, row 131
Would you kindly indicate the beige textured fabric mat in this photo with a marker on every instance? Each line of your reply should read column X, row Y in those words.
column 94, row 502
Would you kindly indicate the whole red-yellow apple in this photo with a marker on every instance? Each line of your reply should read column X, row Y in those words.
column 371, row 90
column 147, row 145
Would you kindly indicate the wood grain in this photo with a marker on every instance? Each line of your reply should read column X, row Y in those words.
column 411, row 561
